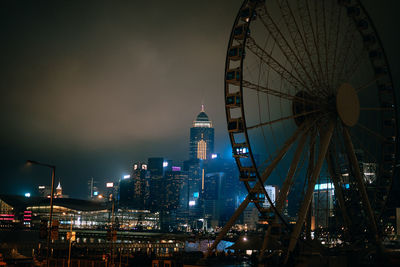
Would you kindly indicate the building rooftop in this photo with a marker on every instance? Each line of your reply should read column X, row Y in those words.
column 202, row 119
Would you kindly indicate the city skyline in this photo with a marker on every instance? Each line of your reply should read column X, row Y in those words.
column 78, row 105
column 188, row 133
column 93, row 87
column 101, row 182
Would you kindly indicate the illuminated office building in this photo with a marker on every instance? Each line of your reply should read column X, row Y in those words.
column 59, row 193
column 44, row 191
column 174, row 182
column 193, row 187
column 322, row 204
column 132, row 191
column 201, row 137
column 140, row 183
column 272, row 192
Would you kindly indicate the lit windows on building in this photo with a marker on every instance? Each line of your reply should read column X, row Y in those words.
column 201, row 137
column 202, row 149
column 133, row 188
column 202, row 124
column 369, row 170
column 44, row 191
column 272, row 192
column 322, row 205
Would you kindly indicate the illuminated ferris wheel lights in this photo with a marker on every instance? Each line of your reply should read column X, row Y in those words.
column 240, row 151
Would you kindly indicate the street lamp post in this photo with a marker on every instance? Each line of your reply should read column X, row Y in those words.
column 53, row 173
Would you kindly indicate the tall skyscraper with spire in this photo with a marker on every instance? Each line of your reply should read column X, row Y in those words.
column 201, row 137
column 59, row 189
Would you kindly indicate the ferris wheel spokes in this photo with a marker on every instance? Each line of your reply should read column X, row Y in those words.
column 323, row 149
column 286, row 68
column 274, row 64
column 357, row 174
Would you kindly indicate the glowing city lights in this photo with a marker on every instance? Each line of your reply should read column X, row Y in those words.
column 323, row 186
column 176, row 169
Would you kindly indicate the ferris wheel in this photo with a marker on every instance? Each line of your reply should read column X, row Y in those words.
column 311, row 110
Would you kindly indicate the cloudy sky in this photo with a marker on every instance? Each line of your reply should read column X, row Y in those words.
column 92, row 86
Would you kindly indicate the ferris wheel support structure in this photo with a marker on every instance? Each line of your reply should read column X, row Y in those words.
column 309, row 99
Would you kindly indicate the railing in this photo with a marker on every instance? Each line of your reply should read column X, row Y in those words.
column 83, row 263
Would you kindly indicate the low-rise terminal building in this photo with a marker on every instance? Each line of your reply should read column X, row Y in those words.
column 84, row 214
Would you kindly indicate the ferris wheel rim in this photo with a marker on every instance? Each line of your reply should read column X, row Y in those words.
column 228, row 106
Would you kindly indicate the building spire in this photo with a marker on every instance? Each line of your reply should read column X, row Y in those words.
column 202, row 108
column 58, row 190
column 59, row 185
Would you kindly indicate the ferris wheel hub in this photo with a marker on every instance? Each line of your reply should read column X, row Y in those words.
column 348, row 104
column 284, row 95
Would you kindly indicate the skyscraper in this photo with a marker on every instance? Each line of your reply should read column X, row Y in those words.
column 201, row 137
column 156, row 168
column 221, row 191
column 132, row 191
column 174, row 181
column 59, row 190
column 139, row 177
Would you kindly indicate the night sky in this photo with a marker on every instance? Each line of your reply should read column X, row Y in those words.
column 93, row 86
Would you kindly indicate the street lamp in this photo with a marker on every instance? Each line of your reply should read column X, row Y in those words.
column 53, row 173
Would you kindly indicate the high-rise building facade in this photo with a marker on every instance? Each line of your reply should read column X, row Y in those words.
column 140, row 183
column 58, row 190
column 44, row 191
column 201, row 137
column 193, row 169
column 174, row 182
column 155, row 167
column 132, row 191
column 322, row 204
column 211, row 197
